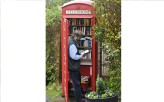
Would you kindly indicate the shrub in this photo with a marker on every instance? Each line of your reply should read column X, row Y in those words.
column 100, row 86
column 108, row 34
column 53, row 32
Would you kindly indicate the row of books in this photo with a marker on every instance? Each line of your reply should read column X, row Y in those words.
column 79, row 21
column 88, row 56
column 85, row 42
column 83, row 79
column 85, row 30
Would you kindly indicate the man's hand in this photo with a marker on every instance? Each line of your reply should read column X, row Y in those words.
column 80, row 52
column 84, row 54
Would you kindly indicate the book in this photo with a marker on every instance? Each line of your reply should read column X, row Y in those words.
column 79, row 21
column 70, row 21
column 82, row 41
column 85, row 52
column 79, row 43
column 74, row 28
column 90, row 33
column 71, row 30
column 74, row 21
column 88, row 30
column 89, row 21
column 86, row 43
column 89, row 55
column 84, row 30
column 90, row 43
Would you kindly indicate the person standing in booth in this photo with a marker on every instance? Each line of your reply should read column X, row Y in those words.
column 74, row 57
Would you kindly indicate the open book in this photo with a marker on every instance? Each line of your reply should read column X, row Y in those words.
column 86, row 51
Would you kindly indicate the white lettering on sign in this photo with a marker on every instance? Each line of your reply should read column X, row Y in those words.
column 78, row 12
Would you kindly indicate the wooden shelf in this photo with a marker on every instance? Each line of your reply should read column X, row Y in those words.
column 85, row 59
column 84, row 47
column 87, row 35
column 82, row 35
column 80, row 25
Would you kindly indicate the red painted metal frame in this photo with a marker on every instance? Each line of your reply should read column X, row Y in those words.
column 78, row 16
column 64, row 50
column 93, row 60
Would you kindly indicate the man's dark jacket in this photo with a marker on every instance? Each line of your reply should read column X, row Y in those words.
column 73, row 65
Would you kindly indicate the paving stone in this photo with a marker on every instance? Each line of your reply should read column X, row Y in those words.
column 61, row 99
column 48, row 99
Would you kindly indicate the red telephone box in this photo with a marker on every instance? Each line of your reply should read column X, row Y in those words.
column 77, row 15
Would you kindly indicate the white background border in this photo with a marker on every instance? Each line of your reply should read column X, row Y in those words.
column 23, row 51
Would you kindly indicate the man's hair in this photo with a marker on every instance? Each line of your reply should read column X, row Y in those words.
column 77, row 33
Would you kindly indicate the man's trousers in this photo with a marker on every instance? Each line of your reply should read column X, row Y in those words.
column 76, row 81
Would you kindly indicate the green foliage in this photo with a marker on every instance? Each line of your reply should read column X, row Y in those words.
column 53, row 36
column 91, row 94
column 53, row 15
column 53, row 30
column 96, row 96
column 51, row 91
column 108, row 33
column 110, row 93
column 103, row 95
column 100, row 86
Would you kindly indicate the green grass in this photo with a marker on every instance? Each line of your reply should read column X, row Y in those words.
column 51, row 91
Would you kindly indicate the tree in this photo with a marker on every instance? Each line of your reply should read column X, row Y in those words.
column 53, row 32
column 53, row 36
column 108, row 33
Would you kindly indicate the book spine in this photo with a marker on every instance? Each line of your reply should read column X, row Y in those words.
column 78, row 22
column 84, row 21
column 80, row 43
column 71, row 30
column 88, row 30
column 70, row 22
column 73, row 21
column 89, row 21
column 84, row 30
column 90, row 54
column 89, row 43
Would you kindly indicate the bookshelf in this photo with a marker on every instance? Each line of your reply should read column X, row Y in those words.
column 82, row 35
column 84, row 47
column 85, row 43
column 85, row 59
column 80, row 25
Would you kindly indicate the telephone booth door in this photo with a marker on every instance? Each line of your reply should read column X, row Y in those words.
column 65, row 60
